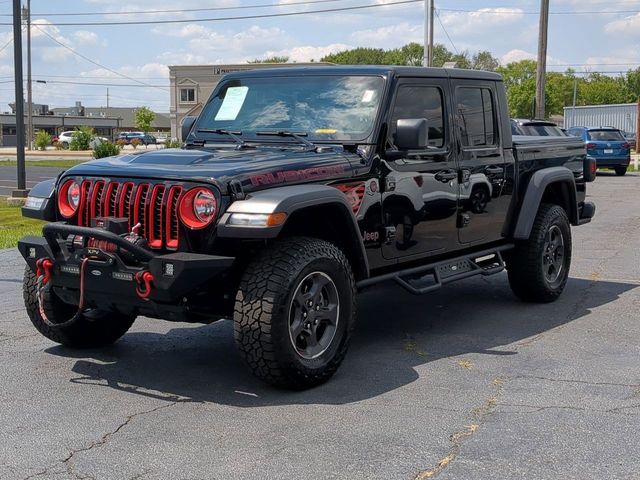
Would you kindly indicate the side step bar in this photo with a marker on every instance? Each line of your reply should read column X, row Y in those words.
column 427, row 278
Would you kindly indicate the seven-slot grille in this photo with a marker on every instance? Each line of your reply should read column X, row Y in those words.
column 153, row 206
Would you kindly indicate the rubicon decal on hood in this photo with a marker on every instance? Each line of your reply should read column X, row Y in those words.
column 286, row 176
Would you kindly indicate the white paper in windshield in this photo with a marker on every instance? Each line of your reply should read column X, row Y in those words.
column 232, row 103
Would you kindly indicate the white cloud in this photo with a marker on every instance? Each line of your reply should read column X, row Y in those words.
column 516, row 55
column 624, row 26
column 188, row 30
column 303, row 54
column 389, row 36
column 466, row 24
column 84, row 37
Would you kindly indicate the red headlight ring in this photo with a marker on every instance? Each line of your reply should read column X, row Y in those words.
column 206, row 203
column 68, row 190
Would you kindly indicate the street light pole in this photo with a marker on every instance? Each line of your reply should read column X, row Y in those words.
column 429, row 11
column 17, row 60
column 542, row 59
column 27, row 14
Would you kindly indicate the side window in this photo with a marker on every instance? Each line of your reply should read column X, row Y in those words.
column 477, row 116
column 187, row 95
column 413, row 101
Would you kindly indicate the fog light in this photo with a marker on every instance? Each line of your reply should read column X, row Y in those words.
column 34, row 202
column 168, row 269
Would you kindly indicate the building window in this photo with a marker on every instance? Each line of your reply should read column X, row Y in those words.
column 187, row 95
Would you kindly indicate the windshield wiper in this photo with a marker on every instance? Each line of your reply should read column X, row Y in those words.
column 221, row 131
column 297, row 135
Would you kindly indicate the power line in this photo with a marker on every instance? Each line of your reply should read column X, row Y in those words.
column 96, row 63
column 446, row 33
column 223, row 19
column 96, row 84
column 181, row 10
column 514, row 11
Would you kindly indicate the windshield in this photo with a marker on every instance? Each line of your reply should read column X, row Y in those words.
column 606, row 135
column 341, row 108
column 542, row 130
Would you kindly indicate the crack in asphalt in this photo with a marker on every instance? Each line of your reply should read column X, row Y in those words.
column 585, row 382
column 68, row 460
column 480, row 414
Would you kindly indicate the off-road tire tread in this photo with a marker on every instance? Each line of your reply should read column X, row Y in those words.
column 262, row 294
column 81, row 334
column 523, row 266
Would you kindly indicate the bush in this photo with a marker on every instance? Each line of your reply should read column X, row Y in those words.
column 135, row 142
column 172, row 143
column 105, row 149
column 43, row 139
column 58, row 145
column 121, row 142
column 81, row 139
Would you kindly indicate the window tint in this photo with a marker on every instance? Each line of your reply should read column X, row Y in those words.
column 187, row 95
column 477, row 117
column 421, row 102
column 606, row 135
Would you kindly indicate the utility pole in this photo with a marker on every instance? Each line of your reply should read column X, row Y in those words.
column 429, row 12
column 26, row 13
column 107, row 97
column 542, row 58
column 17, row 61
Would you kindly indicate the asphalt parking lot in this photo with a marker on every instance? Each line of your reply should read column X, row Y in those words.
column 465, row 383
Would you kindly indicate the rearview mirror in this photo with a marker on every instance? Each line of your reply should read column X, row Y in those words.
column 412, row 134
column 187, row 123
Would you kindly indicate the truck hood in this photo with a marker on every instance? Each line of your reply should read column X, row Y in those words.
column 254, row 168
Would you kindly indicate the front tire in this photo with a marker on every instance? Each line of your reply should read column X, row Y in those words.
column 620, row 171
column 294, row 312
column 538, row 268
column 93, row 329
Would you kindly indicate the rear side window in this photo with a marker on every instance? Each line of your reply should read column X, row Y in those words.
column 477, row 116
column 414, row 101
column 606, row 135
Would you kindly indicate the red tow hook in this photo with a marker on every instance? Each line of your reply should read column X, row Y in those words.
column 43, row 269
column 143, row 279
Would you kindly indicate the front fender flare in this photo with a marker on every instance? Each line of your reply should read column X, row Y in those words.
column 289, row 199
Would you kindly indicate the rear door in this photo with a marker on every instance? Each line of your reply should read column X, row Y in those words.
column 482, row 163
column 607, row 143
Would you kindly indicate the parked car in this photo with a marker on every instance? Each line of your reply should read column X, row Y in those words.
column 607, row 145
column 145, row 138
column 535, row 128
column 65, row 138
column 277, row 217
column 631, row 138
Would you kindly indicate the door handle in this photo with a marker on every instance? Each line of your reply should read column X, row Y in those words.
column 494, row 170
column 446, row 176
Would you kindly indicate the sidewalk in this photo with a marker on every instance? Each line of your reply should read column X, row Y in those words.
column 10, row 152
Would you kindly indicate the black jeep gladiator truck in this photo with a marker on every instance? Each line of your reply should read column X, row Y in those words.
column 296, row 188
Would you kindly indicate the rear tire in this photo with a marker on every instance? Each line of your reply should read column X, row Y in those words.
column 294, row 312
column 93, row 329
column 538, row 268
column 620, row 171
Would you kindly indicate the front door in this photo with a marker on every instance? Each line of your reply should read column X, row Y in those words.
column 483, row 168
column 420, row 195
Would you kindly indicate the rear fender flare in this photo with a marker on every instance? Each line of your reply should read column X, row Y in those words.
column 536, row 188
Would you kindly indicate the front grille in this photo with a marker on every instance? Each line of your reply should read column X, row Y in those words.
column 153, row 206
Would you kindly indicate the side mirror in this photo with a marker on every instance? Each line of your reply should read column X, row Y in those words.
column 412, row 134
column 187, row 123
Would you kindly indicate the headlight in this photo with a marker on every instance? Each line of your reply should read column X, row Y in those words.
column 69, row 198
column 198, row 208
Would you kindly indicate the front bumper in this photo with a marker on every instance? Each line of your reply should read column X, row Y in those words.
column 113, row 280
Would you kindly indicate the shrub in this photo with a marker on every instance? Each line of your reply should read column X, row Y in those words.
column 121, row 142
column 43, row 139
column 81, row 139
column 135, row 142
column 105, row 149
column 58, row 145
column 172, row 143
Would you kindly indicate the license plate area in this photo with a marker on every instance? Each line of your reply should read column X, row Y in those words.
column 608, row 150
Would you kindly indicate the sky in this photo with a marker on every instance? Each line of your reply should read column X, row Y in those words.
column 586, row 35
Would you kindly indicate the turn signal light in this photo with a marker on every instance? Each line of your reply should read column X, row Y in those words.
column 69, row 198
column 198, row 208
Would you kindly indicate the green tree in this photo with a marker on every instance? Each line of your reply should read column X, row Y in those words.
column 357, row 56
column 520, row 81
column 632, row 79
column 274, row 59
column 81, row 138
column 43, row 139
column 483, row 60
column 144, row 117
column 600, row 89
